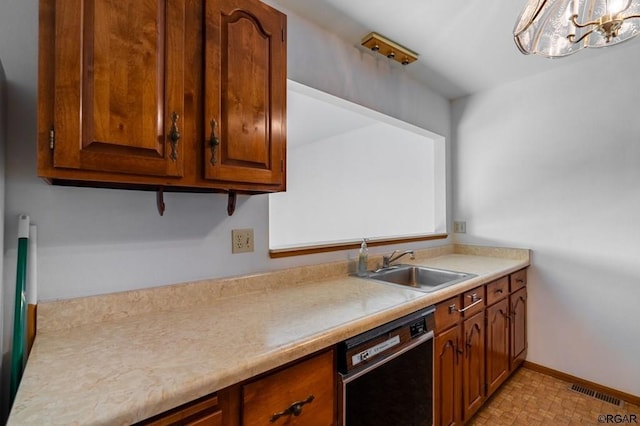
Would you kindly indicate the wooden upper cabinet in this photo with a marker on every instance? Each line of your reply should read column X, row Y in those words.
column 118, row 80
column 128, row 91
column 245, row 93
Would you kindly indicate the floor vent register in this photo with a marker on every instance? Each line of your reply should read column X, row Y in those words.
column 595, row 394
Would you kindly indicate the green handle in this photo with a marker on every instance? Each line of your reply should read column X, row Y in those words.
column 17, row 353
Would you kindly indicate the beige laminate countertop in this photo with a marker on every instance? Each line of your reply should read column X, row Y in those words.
column 127, row 368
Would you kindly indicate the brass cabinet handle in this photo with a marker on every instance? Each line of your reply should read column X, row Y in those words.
column 174, row 135
column 295, row 409
column 471, row 305
column 213, row 142
column 473, row 297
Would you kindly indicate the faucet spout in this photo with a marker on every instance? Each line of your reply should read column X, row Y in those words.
column 388, row 260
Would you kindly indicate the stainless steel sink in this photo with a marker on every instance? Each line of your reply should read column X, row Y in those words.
column 419, row 277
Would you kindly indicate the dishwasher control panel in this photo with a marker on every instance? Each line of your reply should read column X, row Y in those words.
column 383, row 341
column 418, row 328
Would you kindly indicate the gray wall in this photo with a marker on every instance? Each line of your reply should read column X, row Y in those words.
column 3, row 128
column 94, row 241
column 552, row 163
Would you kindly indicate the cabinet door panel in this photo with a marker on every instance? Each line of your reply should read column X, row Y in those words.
column 245, row 86
column 497, row 345
column 119, row 76
column 447, row 378
column 518, row 307
column 473, row 372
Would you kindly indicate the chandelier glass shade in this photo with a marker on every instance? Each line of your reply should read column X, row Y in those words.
column 556, row 28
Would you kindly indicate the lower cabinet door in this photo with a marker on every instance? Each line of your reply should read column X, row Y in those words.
column 518, row 302
column 473, row 372
column 303, row 394
column 497, row 345
column 447, row 378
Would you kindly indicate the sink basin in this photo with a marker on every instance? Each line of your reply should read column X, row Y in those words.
column 419, row 277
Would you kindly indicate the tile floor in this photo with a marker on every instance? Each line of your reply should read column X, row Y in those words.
column 532, row 398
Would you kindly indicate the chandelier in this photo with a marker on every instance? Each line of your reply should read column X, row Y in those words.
column 556, row 28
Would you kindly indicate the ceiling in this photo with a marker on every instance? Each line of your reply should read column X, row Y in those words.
column 465, row 46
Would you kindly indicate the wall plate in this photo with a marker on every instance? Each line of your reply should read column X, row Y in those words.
column 460, row 227
column 241, row 240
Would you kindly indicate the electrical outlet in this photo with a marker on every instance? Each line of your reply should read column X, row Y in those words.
column 460, row 227
column 241, row 240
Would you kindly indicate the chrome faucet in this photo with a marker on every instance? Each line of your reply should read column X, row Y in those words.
column 387, row 260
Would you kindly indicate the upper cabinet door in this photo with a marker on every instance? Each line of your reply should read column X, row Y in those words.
column 245, row 93
column 119, row 86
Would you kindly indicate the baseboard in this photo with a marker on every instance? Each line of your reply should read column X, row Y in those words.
column 632, row 399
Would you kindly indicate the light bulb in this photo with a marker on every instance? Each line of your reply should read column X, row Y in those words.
column 616, row 6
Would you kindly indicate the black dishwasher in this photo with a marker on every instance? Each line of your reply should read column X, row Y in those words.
column 386, row 374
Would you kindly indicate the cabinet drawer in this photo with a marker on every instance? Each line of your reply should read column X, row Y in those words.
column 497, row 290
column 473, row 301
column 203, row 411
column 448, row 313
column 277, row 392
column 517, row 280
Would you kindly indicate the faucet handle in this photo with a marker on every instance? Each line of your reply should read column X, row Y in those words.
column 386, row 259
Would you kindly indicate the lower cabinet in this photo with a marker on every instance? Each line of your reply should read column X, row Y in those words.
column 303, row 393
column 459, row 367
column 476, row 347
column 447, row 378
column 518, row 337
column 473, row 365
column 205, row 411
column 497, row 344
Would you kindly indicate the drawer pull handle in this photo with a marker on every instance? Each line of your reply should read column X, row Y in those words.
column 473, row 297
column 470, row 306
column 519, row 280
column 295, row 409
column 499, row 290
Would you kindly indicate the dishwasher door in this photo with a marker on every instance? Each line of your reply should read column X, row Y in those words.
column 397, row 387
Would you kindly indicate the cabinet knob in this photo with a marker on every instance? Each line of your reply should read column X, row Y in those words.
column 174, row 135
column 295, row 409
